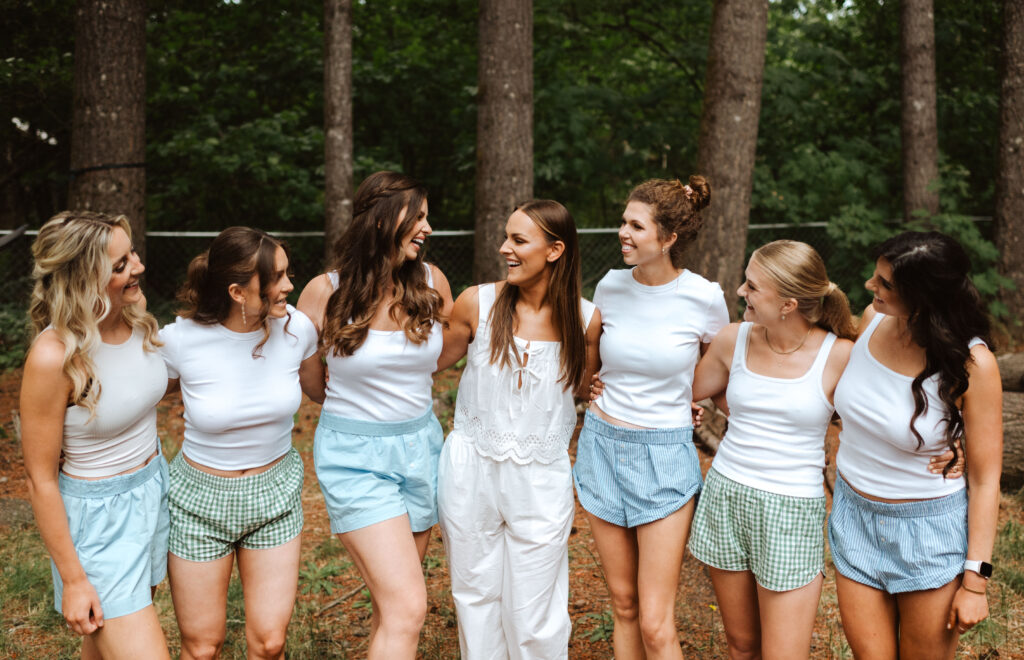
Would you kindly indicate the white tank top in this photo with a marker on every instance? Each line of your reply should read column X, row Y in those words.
column 503, row 419
column 387, row 379
column 878, row 453
column 776, row 436
column 122, row 434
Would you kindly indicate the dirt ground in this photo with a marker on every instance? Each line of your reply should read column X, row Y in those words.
column 332, row 614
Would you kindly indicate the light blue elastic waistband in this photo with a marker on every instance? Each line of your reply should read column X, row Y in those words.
column 670, row 436
column 121, row 483
column 952, row 503
column 374, row 428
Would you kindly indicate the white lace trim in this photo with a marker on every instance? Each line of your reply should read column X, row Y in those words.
column 502, row 445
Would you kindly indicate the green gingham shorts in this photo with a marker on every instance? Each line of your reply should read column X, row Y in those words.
column 778, row 538
column 211, row 516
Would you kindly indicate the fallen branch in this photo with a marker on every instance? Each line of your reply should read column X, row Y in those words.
column 340, row 599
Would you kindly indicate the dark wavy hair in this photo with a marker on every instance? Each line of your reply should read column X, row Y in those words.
column 369, row 259
column 234, row 257
column 563, row 294
column 930, row 272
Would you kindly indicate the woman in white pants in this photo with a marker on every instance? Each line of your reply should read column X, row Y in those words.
column 504, row 484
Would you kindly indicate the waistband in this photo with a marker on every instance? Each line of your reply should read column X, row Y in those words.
column 953, row 503
column 268, row 477
column 670, row 436
column 374, row 428
column 121, row 483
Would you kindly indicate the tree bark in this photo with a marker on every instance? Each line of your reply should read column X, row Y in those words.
column 919, row 131
column 1011, row 371
column 108, row 125
column 1009, row 197
column 1013, row 441
column 504, row 152
column 337, row 122
column 728, row 138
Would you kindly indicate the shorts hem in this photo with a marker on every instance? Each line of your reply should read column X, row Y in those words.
column 594, row 508
column 902, row 586
column 352, row 523
column 662, row 513
column 201, row 561
column 121, row 608
column 243, row 546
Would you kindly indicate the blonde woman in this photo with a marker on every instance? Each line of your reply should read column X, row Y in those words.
column 97, row 479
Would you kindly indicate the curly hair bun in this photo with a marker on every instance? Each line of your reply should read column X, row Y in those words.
column 701, row 195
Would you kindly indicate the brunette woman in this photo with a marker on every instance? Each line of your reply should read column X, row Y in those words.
column 239, row 352
column 636, row 469
column 759, row 523
column 380, row 310
column 505, row 484
column 912, row 550
column 96, row 477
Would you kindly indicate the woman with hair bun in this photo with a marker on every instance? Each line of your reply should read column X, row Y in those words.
column 912, row 550
column 759, row 522
column 242, row 357
column 505, row 484
column 637, row 470
column 96, row 478
column 380, row 311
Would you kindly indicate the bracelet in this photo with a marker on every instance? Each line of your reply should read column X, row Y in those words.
column 973, row 591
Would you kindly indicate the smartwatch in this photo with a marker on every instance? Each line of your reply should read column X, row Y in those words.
column 982, row 568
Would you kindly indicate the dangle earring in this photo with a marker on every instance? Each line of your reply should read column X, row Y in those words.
column 246, row 325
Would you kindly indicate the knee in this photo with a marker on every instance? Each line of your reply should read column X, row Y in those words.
column 625, row 606
column 405, row 617
column 658, row 630
column 267, row 643
column 743, row 647
column 198, row 648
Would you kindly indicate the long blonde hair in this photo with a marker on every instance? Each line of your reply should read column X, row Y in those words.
column 797, row 271
column 71, row 273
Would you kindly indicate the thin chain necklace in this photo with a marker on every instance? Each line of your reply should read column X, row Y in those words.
column 790, row 351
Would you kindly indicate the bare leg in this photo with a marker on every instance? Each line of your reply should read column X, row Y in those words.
column 133, row 636
column 736, row 592
column 923, row 617
column 388, row 559
column 616, row 546
column 869, row 619
column 787, row 620
column 270, row 580
column 199, row 590
column 660, row 544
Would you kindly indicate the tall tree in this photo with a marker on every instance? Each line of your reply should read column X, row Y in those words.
column 1009, row 202
column 728, row 138
column 108, row 125
column 919, row 130
column 504, row 128
column 337, row 121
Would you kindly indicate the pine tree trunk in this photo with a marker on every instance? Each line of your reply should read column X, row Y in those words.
column 337, row 122
column 504, row 152
column 919, row 130
column 108, row 126
column 1009, row 201
column 728, row 138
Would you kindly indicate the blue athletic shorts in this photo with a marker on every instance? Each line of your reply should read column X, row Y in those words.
column 909, row 546
column 631, row 477
column 370, row 472
column 119, row 528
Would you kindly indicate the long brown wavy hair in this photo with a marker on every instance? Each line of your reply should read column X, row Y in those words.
column 369, row 261
column 563, row 296
column 70, row 275
column 235, row 256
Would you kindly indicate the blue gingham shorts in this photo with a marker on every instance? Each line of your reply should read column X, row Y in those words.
column 630, row 477
column 898, row 547
column 119, row 528
column 370, row 472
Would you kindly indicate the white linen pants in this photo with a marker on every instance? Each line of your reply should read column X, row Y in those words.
column 506, row 530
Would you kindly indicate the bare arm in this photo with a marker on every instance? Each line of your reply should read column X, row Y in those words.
column 712, row 374
column 312, row 378
column 313, row 300
column 983, row 442
column 458, row 333
column 593, row 335
column 45, row 391
column 441, row 286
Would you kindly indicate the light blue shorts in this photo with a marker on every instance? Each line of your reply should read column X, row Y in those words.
column 119, row 528
column 631, row 477
column 370, row 472
column 910, row 546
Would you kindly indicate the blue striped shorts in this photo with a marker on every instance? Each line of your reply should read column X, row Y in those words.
column 370, row 472
column 630, row 477
column 898, row 547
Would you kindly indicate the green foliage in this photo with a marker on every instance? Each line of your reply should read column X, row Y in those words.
column 15, row 335
column 315, row 579
column 603, row 628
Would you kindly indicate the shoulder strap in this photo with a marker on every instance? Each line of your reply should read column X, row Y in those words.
column 485, row 295
column 821, row 358
column 430, row 274
column 739, row 352
column 586, row 312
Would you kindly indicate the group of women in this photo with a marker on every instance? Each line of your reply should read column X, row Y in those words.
column 916, row 387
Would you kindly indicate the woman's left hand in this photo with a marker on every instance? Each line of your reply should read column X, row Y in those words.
column 938, row 463
column 596, row 387
column 968, row 609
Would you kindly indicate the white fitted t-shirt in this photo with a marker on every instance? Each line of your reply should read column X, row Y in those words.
column 238, row 409
column 878, row 453
column 122, row 433
column 650, row 344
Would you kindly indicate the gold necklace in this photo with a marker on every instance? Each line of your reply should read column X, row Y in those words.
column 791, row 351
